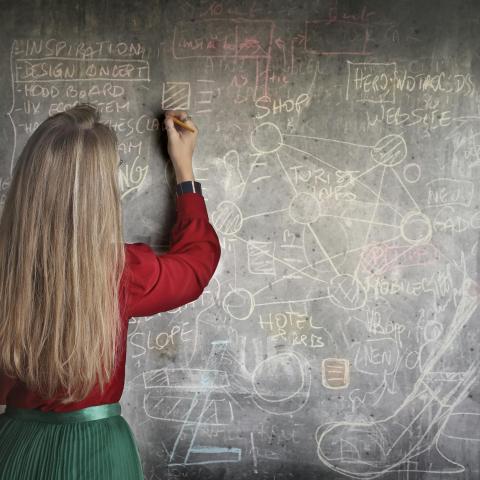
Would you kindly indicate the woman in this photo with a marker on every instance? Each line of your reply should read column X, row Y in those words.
column 68, row 285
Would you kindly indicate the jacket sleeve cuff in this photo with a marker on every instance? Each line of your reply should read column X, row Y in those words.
column 191, row 205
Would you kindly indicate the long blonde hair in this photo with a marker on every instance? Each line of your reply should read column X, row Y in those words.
column 62, row 258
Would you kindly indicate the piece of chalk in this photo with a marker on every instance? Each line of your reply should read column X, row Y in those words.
column 183, row 125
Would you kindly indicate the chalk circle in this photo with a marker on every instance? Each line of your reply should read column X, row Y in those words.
column 239, row 303
column 416, row 228
column 412, row 359
column 347, row 292
column 412, row 172
column 304, row 208
column 432, row 331
column 389, row 150
column 475, row 221
column 227, row 218
column 266, row 138
column 281, row 383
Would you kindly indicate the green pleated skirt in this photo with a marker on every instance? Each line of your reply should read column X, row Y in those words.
column 94, row 443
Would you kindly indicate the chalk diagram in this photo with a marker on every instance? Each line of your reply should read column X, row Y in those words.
column 394, row 444
column 197, row 398
column 342, row 285
column 343, row 288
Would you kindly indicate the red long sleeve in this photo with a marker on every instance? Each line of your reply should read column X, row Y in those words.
column 162, row 282
column 153, row 283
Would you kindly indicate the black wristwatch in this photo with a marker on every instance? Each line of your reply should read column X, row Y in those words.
column 189, row 186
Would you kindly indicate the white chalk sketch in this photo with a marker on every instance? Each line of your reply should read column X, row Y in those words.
column 204, row 97
column 340, row 274
column 198, row 399
column 176, row 96
column 202, row 410
column 308, row 210
column 350, row 243
column 398, row 442
column 274, row 391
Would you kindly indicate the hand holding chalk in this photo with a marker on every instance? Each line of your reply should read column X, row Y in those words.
column 181, row 143
column 181, row 124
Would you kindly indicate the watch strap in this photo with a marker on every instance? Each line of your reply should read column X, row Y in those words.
column 189, row 186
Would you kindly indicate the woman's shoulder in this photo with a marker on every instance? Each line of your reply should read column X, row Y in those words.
column 136, row 254
column 140, row 262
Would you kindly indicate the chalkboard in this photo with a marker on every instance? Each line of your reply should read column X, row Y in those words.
column 339, row 154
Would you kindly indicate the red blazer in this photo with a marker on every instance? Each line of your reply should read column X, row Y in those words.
column 150, row 284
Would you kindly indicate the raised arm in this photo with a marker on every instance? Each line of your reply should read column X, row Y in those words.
column 157, row 283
